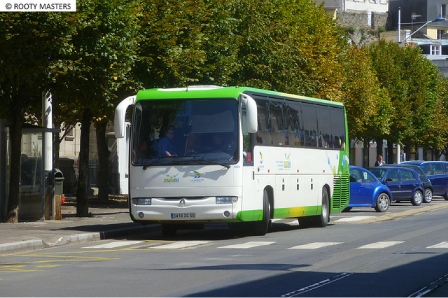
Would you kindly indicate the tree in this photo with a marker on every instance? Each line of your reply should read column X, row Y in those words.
column 413, row 84
column 93, row 70
column 28, row 41
column 291, row 46
column 187, row 43
column 368, row 105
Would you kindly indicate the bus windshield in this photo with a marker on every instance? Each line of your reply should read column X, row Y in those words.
column 169, row 132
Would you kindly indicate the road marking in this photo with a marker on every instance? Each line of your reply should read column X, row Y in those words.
column 114, row 244
column 247, row 245
column 440, row 245
column 314, row 245
column 180, row 245
column 354, row 218
column 317, row 285
column 381, row 244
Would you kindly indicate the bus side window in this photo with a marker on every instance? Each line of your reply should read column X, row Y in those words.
column 248, row 143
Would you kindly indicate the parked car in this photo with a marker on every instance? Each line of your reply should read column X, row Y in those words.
column 404, row 183
column 437, row 172
column 367, row 191
column 427, row 185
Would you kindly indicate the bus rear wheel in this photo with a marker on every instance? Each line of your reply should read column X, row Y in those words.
column 262, row 227
column 321, row 220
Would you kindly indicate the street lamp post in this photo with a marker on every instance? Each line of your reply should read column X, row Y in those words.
column 438, row 19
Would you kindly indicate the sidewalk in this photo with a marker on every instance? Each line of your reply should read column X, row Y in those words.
column 107, row 220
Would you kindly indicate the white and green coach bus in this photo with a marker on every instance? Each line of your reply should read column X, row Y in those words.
column 236, row 155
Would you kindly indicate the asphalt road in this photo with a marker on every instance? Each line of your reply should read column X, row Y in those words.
column 379, row 256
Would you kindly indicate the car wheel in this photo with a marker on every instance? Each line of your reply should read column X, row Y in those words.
column 417, row 199
column 445, row 196
column 382, row 202
column 428, row 196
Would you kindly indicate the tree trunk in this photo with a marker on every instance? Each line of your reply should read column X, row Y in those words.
column 103, row 161
column 390, row 152
column 82, row 194
column 15, row 133
column 365, row 153
column 379, row 147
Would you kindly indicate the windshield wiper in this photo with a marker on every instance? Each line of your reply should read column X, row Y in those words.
column 192, row 159
column 211, row 162
column 157, row 161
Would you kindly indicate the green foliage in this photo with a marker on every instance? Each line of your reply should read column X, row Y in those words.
column 98, row 57
column 291, row 46
column 414, row 85
column 188, row 42
column 368, row 105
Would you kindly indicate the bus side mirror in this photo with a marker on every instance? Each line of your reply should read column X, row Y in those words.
column 251, row 113
column 120, row 116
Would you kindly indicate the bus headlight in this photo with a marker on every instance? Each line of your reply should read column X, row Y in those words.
column 141, row 201
column 226, row 200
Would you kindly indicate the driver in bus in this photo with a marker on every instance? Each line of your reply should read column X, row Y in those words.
column 166, row 147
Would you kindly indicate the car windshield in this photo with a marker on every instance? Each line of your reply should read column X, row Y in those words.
column 379, row 172
column 202, row 131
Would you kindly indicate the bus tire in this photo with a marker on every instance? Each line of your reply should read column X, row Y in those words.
column 169, row 229
column 323, row 219
column 262, row 227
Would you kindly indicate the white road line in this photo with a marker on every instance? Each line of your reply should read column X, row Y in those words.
column 114, row 244
column 381, row 244
column 354, row 218
column 247, row 245
column 180, row 244
column 440, row 245
column 316, row 285
column 314, row 245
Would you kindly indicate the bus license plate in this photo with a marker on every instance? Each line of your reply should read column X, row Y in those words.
column 182, row 215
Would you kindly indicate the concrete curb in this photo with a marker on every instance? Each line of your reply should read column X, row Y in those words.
column 22, row 245
column 72, row 239
column 398, row 215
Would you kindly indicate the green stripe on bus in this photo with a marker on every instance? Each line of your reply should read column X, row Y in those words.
column 256, row 215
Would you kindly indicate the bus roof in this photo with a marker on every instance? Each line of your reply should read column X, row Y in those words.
column 211, row 91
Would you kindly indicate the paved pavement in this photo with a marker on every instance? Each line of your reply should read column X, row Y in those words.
column 107, row 220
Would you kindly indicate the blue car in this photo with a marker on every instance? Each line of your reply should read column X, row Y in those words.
column 437, row 172
column 367, row 191
column 404, row 183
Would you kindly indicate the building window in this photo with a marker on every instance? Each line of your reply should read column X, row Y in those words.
column 443, row 11
column 436, row 49
column 70, row 136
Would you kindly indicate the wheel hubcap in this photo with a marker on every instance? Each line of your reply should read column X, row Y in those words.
column 418, row 197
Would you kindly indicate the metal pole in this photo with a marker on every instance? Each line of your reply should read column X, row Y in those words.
column 399, row 24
